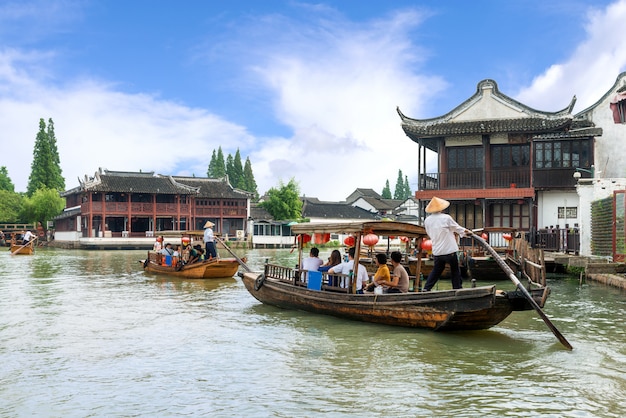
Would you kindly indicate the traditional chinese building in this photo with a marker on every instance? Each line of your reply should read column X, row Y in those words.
column 502, row 163
column 120, row 204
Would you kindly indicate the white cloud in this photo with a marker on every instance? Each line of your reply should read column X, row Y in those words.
column 591, row 69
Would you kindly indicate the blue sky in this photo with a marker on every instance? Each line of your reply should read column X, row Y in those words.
column 306, row 90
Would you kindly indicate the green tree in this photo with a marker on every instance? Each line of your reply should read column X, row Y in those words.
column 45, row 169
column 237, row 179
column 399, row 191
column 249, row 183
column 230, row 170
column 10, row 204
column 220, row 165
column 386, row 194
column 284, row 202
column 5, row 180
column 407, row 188
column 42, row 206
column 211, row 170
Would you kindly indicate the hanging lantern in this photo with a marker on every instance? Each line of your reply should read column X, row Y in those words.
column 349, row 241
column 305, row 238
column 485, row 236
column 392, row 237
column 370, row 240
column 404, row 239
column 186, row 240
column 507, row 237
column 427, row 245
column 321, row 238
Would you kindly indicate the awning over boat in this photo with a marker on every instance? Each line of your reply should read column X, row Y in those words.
column 382, row 228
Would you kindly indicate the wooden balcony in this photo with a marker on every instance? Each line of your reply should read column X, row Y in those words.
column 497, row 179
column 162, row 209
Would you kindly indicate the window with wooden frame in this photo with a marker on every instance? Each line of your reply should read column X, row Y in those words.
column 510, row 215
column 563, row 154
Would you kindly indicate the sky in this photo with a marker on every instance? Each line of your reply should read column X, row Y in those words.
column 307, row 90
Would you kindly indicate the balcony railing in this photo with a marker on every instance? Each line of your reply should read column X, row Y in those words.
column 475, row 179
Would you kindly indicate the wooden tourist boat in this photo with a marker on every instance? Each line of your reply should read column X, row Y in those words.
column 23, row 249
column 461, row 309
column 207, row 269
column 481, row 264
column 174, row 266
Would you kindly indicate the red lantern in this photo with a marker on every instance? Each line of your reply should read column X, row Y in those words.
column 304, row 237
column 404, row 239
column 186, row 240
column 485, row 236
column 370, row 240
column 349, row 241
column 507, row 237
column 427, row 245
column 392, row 237
column 321, row 238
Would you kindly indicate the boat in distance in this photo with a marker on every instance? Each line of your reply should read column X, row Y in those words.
column 454, row 309
column 207, row 269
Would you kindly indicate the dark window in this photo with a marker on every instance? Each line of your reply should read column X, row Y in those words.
column 510, row 215
column 576, row 153
column 463, row 158
column 506, row 156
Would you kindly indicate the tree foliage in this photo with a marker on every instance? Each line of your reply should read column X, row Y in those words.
column 249, row 183
column 386, row 194
column 407, row 188
column 42, row 206
column 5, row 180
column 10, row 204
column 399, row 192
column 45, row 168
column 284, row 202
column 239, row 176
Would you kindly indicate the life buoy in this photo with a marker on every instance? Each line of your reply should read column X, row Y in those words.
column 258, row 283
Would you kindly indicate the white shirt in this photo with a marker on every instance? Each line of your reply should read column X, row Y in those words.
column 312, row 263
column 345, row 267
column 208, row 235
column 27, row 236
column 440, row 227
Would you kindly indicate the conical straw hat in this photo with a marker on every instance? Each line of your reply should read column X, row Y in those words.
column 209, row 224
column 437, row 205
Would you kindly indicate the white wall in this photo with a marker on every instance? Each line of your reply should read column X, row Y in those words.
column 548, row 203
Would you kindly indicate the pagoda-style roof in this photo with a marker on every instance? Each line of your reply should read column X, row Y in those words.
column 488, row 112
column 212, row 188
column 133, row 182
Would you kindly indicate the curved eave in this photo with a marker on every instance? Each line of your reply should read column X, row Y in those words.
column 484, row 127
column 382, row 228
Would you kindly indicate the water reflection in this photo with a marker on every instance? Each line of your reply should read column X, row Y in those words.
column 90, row 333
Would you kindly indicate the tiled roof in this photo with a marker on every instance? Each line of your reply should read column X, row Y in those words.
column 530, row 120
column 358, row 193
column 335, row 210
column 259, row 214
column 212, row 188
column 573, row 133
column 132, row 182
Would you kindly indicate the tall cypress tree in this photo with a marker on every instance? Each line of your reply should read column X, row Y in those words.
column 230, row 171
column 399, row 191
column 238, row 180
column 220, row 166
column 407, row 188
column 45, row 168
column 248, row 179
column 211, row 170
column 386, row 194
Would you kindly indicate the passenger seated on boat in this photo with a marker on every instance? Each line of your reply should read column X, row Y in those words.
column 333, row 260
column 399, row 282
column 348, row 266
column 167, row 250
column 312, row 262
column 382, row 275
column 195, row 254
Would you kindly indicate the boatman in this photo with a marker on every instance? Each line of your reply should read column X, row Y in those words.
column 441, row 228
column 209, row 241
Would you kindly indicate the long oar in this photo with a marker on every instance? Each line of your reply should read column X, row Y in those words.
column 239, row 260
column 525, row 292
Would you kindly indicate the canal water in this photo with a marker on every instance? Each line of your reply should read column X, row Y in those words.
column 89, row 334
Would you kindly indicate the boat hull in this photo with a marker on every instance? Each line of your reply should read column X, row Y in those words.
column 210, row 269
column 28, row 249
column 461, row 309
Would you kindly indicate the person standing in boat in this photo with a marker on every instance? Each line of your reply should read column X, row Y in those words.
column 441, row 229
column 158, row 244
column 209, row 240
column 27, row 237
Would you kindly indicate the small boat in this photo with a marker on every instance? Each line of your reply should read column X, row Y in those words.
column 22, row 249
column 214, row 268
column 455, row 309
column 206, row 269
column 480, row 263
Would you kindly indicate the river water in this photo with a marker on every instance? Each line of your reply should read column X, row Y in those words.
column 89, row 334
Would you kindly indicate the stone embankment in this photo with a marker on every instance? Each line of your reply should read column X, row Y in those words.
column 599, row 270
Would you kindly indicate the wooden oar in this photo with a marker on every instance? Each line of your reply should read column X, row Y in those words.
column 525, row 292
column 239, row 260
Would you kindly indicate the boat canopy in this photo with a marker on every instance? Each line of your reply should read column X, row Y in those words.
column 382, row 228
